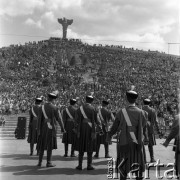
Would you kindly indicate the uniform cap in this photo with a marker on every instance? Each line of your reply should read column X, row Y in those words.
column 132, row 94
column 147, row 101
column 38, row 99
column 89, row 98
column 105, row 102
column 72, row 101
column 52, row 95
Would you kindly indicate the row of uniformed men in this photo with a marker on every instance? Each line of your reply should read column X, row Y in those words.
column 80, row 127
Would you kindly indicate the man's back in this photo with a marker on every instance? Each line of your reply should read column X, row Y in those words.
column 105, row 114
column 151, row 113
column 50, row 109
column 36, row 109
column 134, row 115
column 152, row 118
column 72, row 110
column 89, row 111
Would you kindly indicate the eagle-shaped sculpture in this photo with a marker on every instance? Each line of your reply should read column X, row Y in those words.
column 65, row 23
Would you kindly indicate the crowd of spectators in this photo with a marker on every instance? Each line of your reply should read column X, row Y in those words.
column 33, row 69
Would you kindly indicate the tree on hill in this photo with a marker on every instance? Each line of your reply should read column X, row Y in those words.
column 84, row 59
column 72, row 61
column 46, row 82
column 3, row 87
column 38, row 74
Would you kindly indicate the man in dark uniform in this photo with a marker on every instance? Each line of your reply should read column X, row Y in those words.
column 105, row 116
column 130, row 123
column 69, row 123
column 86, row 119
column 33, row 122
column 48, row 117
column 175, row 133
column 152, row 121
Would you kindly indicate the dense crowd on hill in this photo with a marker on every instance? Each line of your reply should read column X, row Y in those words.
column 34, row 69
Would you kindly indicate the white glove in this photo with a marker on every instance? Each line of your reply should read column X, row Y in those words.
column 49, row 125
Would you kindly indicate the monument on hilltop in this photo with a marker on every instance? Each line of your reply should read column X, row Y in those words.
column 65, row 23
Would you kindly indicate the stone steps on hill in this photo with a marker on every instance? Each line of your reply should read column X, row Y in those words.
column 8, row 130
column 12, row 128
column 7, row 136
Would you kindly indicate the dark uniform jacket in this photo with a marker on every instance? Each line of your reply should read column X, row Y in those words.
column 69, row 125
column 151, row 124
column 105, row 122
column 106, row 119
column 33, row 123
column 174, row 133
column 86, row 129
column 126, row 148
column 47, row 138
column 152, row 119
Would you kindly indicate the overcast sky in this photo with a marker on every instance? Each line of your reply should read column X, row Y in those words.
column 155, row 22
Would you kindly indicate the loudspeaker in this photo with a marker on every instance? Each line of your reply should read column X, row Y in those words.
column 21, row 128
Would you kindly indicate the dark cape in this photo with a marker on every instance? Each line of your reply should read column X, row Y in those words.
column 174, row 133
column 126, row 148
column 69, row 124
column 47, row 137
column 152, row 123
column 86, row 129
column 101, row 139
column 33, row 124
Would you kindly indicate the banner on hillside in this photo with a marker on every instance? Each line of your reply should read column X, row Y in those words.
column 62, row 56
column 77, row 57
column 73, row 56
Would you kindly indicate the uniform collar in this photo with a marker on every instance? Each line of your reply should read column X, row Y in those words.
column 89, row 104
column 132, row 105
column 146, row 105
column 104, row 108
column 49, row 102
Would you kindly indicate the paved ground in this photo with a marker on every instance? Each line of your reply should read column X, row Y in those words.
column 16, row 163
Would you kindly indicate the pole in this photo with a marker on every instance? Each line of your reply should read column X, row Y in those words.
column 168, row 48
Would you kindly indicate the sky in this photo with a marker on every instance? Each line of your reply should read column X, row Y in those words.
column 141, row 24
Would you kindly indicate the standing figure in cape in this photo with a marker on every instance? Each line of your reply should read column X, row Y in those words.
column 175, row 133
column 130, row 123
column 105, row 117
column 33, row 124
column 86, row 119
column 69, row 124
column 151, row 124
column 49, row 115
